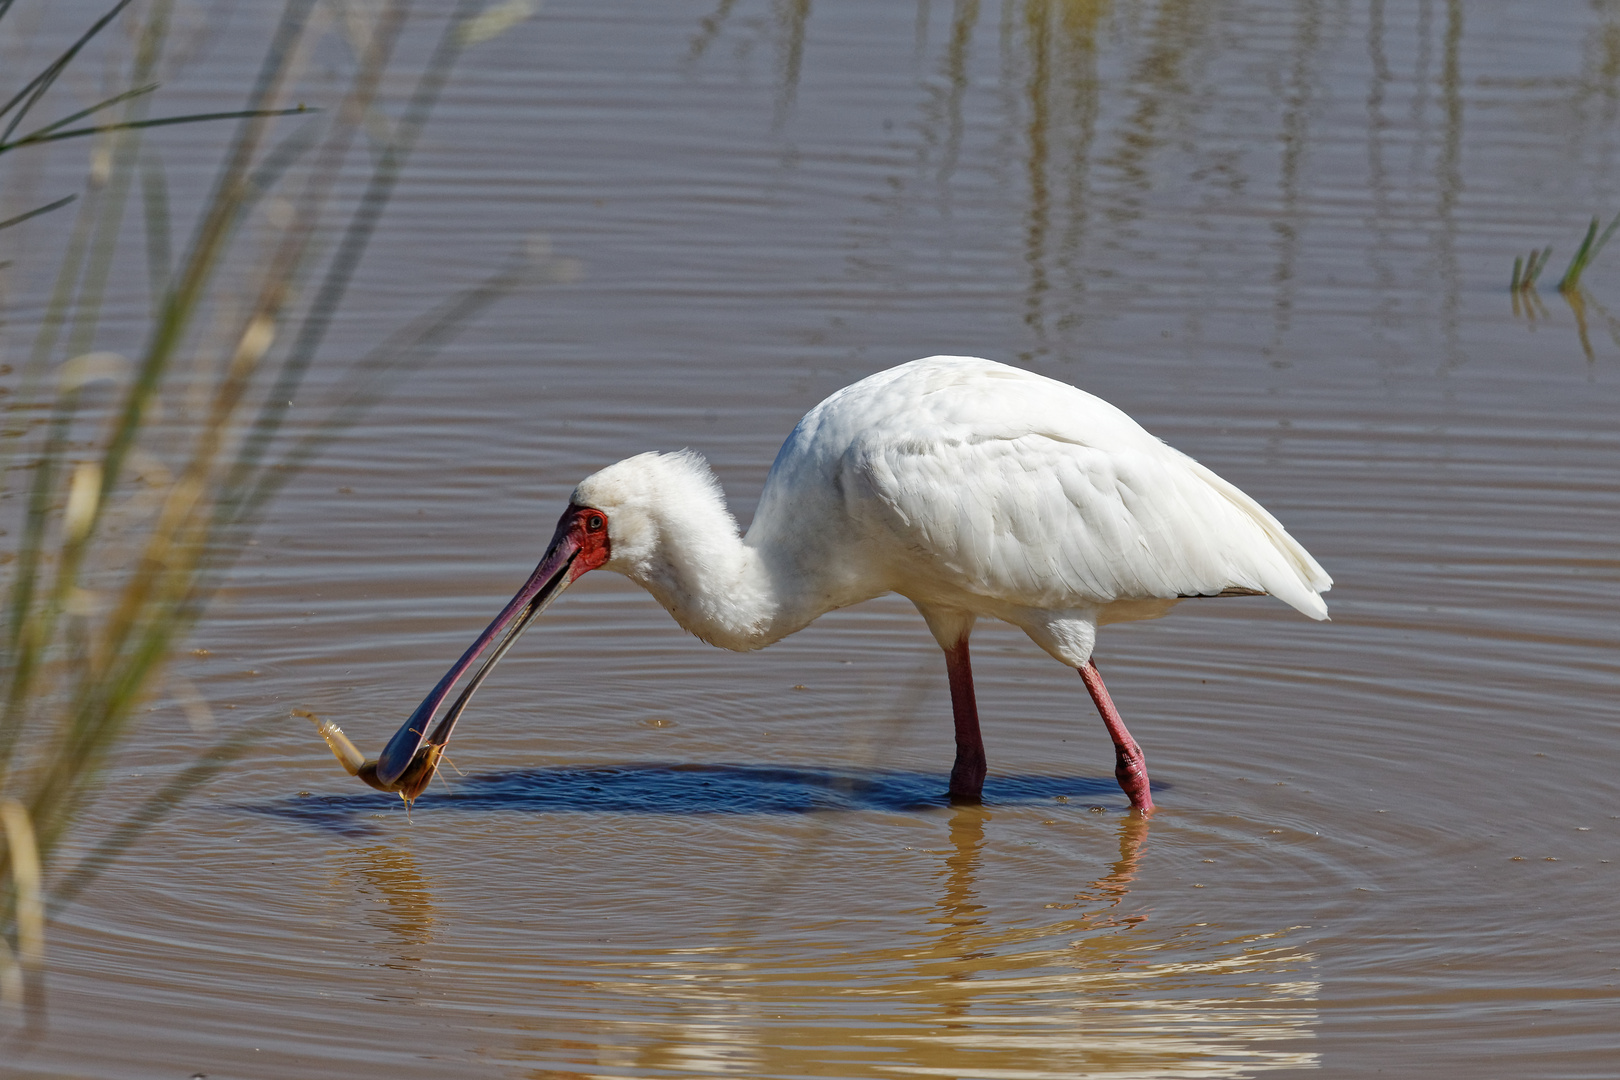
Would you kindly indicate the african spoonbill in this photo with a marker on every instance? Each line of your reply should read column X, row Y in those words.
column 970, row 487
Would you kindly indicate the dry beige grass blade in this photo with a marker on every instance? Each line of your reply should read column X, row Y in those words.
column 126, row 531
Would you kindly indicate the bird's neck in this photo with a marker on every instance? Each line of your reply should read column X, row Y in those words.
column 715, row 585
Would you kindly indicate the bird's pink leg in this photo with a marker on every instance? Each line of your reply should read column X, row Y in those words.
column 967, row 775
column 1130, row 766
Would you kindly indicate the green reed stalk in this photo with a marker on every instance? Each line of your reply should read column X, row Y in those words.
column 1527, row 268
column 1586, row 254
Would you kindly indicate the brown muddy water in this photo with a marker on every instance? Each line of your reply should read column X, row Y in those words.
column 1278, row 233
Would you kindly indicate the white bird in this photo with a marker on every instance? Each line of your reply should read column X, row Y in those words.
column 969, row 487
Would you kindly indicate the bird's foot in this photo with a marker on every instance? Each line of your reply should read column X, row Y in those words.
column 967, row 782
column 1130, row 769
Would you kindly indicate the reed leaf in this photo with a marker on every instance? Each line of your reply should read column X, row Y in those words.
column 36, row 211
column 1528, row 268
column 108, row 575
column 1586, row 254
column 26, row 98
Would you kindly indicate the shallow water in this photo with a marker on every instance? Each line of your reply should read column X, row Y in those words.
column 1277, row 233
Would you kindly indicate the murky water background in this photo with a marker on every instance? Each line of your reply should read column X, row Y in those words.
column 1278, row 233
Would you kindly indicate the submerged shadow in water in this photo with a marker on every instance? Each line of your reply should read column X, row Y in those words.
column 662, row 788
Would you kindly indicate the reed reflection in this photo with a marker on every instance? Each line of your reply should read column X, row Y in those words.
column 1297, row 105
column 1587, row 310
column 1449, row 184
column 1126, row 156
column 1051, row 50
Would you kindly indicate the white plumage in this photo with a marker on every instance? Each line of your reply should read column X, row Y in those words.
column 970, row 487
column 962, row 484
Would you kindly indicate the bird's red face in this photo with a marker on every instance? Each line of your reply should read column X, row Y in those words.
column 587, row 529
column 580, row 544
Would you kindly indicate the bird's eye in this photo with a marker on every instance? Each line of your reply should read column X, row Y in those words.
column 594, row 523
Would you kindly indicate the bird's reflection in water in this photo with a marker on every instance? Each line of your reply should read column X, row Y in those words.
column 1089, row 995
column 957, row 909
column 976, row 986
column 1112, row 888
column 969, row 945
column 960, row 916
column 963, row 917
column 394, row 898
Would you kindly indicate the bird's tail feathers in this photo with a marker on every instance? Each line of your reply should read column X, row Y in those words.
column 1302, row 579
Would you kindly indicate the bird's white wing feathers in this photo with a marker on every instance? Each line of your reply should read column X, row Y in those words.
column 1034, row 493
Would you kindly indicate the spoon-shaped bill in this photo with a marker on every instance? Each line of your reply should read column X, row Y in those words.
column 408, row 785
column 579, row 544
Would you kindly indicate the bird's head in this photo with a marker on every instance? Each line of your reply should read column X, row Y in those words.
column 642, row 498
column 615, row 520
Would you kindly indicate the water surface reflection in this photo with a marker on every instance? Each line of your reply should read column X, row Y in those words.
column 394, row 898
column 964, row 991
